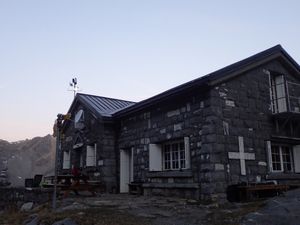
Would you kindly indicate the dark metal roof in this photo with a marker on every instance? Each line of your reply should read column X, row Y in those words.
column 213, row 78
column 103, row 106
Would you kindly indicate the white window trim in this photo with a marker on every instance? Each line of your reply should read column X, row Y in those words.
column 281, row 159
column 178, row 142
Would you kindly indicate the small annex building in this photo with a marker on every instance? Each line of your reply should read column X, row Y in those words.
column 238, row 124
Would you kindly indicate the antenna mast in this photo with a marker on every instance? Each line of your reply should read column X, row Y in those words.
column 74, row 86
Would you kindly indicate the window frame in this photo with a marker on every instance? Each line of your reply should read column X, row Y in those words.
column 177, row 157
column 278, row 87
column 282, row 161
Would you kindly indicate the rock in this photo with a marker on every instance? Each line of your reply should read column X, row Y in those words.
column 74, row 206
column 277, row 211
column 164, row 213
column 146, row 215
column 66, row 221
column 192, row 202
column 32, row 220
column 26, row 206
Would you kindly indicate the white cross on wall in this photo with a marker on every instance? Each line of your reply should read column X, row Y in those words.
column 241, row 155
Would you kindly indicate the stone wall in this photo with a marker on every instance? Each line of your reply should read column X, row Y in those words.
column 188, row 116
column 213, row 121
column 12, row 197
column 95, row 131
column 242, row 107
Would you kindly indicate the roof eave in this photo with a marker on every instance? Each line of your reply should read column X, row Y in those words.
column 217, row 77
column 172, row 93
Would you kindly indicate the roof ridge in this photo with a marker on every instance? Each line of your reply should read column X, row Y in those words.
column 98, row 96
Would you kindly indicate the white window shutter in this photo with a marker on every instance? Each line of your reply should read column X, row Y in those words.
column 66, row 161
column 90, row 155
column 296, row 154
column 187, row 152
column 155, row 157
column 269, row 154
column 95, row 155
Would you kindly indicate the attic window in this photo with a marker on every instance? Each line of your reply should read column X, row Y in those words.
column 278, row 93
column 79, row 119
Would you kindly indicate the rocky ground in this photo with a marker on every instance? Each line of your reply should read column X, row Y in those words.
column 133, row 210
column 283, row 210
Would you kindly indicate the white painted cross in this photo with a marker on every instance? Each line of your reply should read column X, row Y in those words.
column 241, row 155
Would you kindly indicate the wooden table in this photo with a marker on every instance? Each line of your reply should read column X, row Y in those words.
column 67, row 183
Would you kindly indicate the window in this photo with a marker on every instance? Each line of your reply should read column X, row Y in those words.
column 281, row 158
column 79, row 119
column 173, row 155
column 278, row 93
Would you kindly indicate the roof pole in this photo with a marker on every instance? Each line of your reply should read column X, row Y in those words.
column 59, row 120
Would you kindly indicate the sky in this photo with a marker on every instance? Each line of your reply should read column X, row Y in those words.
column 129, row 49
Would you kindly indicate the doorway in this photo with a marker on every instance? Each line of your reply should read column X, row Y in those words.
column 126, row 169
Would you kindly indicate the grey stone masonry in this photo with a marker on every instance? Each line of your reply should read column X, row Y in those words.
column 95, row 132
column 248, row 115
column 224, row 125
column 185, row 117
column 228, row 127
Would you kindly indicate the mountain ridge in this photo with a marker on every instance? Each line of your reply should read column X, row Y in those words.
column 25, row 158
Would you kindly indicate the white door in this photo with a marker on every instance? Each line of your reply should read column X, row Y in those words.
column 126, row 169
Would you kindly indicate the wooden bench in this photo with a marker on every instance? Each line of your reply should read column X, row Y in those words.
column 91, row 187
column 136, row 188
column 248, row 192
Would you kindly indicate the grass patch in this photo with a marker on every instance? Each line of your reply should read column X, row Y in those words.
column 91, row 216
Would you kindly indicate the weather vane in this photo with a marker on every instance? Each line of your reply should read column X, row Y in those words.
column 74, row 86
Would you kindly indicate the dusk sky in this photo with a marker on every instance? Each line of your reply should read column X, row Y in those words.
column 125, row 49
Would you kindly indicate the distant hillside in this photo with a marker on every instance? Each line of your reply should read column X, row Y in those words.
column 26, row 158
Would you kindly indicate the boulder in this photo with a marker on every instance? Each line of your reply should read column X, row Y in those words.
column 27, row 207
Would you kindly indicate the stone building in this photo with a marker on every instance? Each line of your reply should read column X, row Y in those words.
column 89, row 138
column 238, row 124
